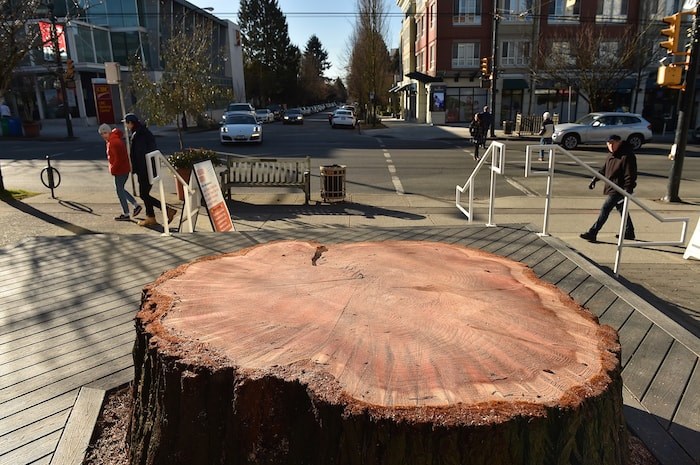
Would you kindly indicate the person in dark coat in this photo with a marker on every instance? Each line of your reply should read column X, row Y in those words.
column 142, row 143
column 621, row 168
column 478, row 133
column 486, row 119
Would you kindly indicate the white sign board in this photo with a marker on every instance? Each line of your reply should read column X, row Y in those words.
column 693, row 249
column 213, row 198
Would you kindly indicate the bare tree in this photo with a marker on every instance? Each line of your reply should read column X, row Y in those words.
column 186, row 85
column 590, row 62
column 369, row 74
column 17, row 39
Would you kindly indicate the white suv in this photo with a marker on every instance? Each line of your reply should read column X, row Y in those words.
column 596, row 128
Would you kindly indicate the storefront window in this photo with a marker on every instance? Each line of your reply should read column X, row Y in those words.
column 462, row 103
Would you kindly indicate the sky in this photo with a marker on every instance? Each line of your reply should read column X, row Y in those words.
column 331, row 20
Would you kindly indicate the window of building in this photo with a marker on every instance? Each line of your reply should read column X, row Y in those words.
column 466, row 12
column 515, row 53
column 431, row 57
column 517, row 10
column 420, row 61
column 465, row 55
column 608, row 51
column 432, row 13
column 659, row 8
column 563, row 49
column 564, row 11
column 611, row 10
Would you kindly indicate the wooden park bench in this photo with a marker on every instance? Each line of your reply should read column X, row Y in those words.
column 267, row 172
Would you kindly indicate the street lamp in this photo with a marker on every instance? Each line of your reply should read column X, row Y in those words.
column 47, row 6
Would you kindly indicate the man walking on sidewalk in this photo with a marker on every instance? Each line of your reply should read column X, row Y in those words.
column 142, row 143
column 621, row 168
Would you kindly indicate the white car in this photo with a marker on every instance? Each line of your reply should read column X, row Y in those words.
column 343, row 118
column 596, row 128
column 264, row 115
column 240, row 127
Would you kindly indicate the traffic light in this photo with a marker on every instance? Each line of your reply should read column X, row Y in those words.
column 669, row 76
column 70, row 70
column 672, row 32
column 485, row 66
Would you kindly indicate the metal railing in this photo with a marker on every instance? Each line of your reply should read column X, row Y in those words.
column 155, row 162
column 496, row 153
column 553, row 151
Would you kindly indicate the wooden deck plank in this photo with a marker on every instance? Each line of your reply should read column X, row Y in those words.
column 654, row 436
column 669, row 384
column 616, row 314
column 77, row 352
column 54, row 346
column 686, row 423
column 80, row 368
column 561, row 273
column 65, row 385
column 84, row 318
column 643, row 364
column 633, row 331
column 601, row 301
column 37, row 412
column 546, row 264
column 587, row 288
column 28, row 434
column 38, row 449
column 78, row 431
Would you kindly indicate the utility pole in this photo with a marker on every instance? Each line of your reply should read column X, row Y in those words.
column 494, row 67
column 59, row 66
column 677, row 154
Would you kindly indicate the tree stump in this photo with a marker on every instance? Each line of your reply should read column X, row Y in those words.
column 371, row 353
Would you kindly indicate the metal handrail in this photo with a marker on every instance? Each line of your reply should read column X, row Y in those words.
column 553, row 150
column 154, row 175
column 497, row 154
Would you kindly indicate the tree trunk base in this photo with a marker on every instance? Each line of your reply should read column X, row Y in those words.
column 371, row 353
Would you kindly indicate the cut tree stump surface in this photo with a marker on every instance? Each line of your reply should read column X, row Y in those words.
column 419, row 331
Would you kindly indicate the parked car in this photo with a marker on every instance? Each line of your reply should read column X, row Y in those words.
column 240, row 127
column 264, row 115
column 343, row 118
column 293, row 116
column 596, row 128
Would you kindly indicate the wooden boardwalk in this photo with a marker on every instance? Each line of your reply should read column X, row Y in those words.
column 66, row 328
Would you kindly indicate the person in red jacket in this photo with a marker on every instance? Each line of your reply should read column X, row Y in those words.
column 119, row 167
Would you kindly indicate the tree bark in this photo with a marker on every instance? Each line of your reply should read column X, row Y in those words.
column 371, row 353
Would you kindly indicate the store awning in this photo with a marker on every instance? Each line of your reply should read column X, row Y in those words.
column 515, row 84
column 424, row 78
column 399, row 87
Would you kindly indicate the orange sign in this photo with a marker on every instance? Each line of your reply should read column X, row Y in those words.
column 213, row 198
column 103, row 103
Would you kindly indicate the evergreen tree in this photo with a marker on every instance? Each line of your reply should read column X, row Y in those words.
column 317, row 55
column 314, row 63
column 271, row 62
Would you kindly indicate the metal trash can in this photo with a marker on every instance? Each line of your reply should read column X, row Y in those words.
column 333, row 183
column 507, row 127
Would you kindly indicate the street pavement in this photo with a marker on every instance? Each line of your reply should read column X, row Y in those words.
column 85, row 203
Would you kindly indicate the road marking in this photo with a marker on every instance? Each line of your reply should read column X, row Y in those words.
column 392, row 169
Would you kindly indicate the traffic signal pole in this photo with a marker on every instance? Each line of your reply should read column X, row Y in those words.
column 677, row 154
